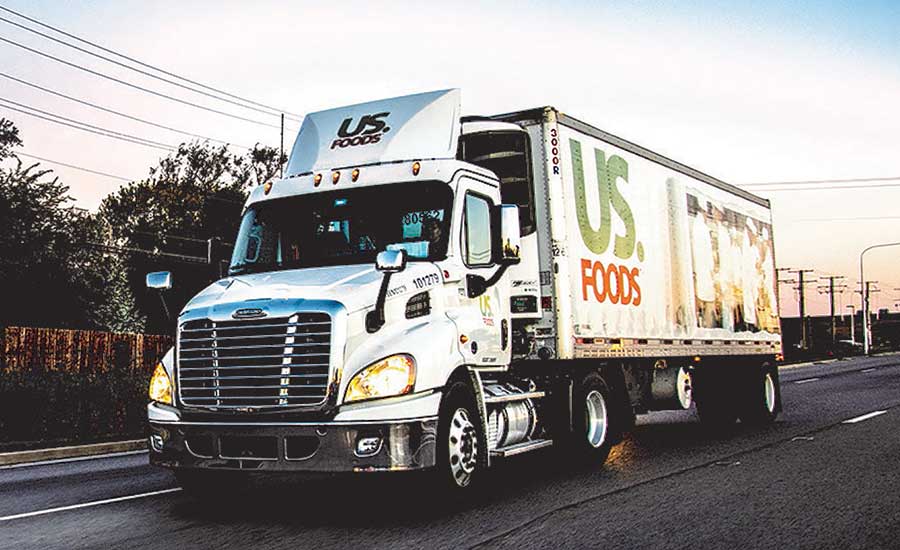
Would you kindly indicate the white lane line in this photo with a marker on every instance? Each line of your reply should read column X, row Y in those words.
column 88, row 504
column 864, row 417
column 806, row 380
column 865, row 371
column 73, row 459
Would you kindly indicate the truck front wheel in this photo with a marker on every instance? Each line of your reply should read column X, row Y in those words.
column 461, row 446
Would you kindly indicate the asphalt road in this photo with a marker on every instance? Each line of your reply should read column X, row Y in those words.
column 812, row 480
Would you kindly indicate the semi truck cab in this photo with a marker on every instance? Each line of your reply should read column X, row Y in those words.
column 361, row 286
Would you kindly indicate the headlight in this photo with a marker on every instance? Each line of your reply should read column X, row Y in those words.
column 160, row 386
column 394, row 375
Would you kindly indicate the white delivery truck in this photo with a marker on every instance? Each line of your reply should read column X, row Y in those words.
column 425, row 290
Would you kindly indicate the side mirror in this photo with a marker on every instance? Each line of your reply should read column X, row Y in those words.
column 391, row 261
column 160, row 280
column 510, row 236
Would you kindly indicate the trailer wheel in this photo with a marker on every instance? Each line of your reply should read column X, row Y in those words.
column 594, row 420
column 762, row 397
column 212, row 484
column 715, row 397
column 461, row 445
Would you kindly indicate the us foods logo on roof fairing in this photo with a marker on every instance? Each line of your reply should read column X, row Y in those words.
column 612, row 282
column 369, row 129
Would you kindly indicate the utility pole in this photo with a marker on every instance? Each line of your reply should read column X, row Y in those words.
column 830, row 289
column 867, row 290
column 801, row 287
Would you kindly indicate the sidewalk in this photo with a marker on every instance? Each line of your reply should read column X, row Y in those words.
column 75, row 451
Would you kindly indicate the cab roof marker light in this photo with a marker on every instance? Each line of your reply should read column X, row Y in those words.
column 267, row 187
column 354, row 175
column 416, row 166
column 317, row 179
column 335, row 177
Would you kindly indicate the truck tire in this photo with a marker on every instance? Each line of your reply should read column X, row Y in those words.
column 715, row 397
column 594, row 422
column 461, row 445
column 212, row 484
column 761, row 401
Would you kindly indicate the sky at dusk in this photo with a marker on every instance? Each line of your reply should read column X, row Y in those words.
column 747, row 92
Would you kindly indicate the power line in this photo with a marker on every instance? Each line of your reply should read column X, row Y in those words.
column 145, row 73
column 117, row 113
column 134, row 86
column 848, row 180
column 87, row 127
column 147, row 65
column 97, row 172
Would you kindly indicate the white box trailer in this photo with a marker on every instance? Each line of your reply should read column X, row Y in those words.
column 642, row 256
column 424, row 290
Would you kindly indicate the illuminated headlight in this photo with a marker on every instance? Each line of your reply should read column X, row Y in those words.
column 394, row 375
column 160, row 386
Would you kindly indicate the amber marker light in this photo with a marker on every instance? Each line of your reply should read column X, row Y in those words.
column 354, row 175
column 335, row 177
column 697, row 359
column 317, row 179
column 267, row 187
column 416, row 167
column 463, row 338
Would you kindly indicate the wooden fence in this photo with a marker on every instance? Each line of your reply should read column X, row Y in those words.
column 84, row 351
column 59, row 387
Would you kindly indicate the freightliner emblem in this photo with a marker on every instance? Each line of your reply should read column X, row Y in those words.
column 248, row 313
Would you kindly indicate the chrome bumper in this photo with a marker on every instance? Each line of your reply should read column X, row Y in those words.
column 328, row 447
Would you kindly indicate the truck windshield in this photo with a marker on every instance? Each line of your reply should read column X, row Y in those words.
column 344, row 227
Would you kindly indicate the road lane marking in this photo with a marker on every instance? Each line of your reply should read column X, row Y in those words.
column 806, row 380
column 864, row 417
column 866, row 371
column 72, row 459
column 88, row 504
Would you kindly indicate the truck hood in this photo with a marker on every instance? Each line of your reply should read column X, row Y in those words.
column 355, row 286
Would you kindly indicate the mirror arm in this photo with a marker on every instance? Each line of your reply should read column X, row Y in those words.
column 162, row 298
column 375, row 318
column 477, row 285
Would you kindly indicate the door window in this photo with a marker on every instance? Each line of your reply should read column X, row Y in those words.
column 478, row 231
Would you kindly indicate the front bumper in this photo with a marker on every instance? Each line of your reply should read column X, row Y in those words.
column 328, row 447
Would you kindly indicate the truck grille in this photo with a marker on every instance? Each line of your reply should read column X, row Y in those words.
column 255, row 363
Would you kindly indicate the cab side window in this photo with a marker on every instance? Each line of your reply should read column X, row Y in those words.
column 477, row 219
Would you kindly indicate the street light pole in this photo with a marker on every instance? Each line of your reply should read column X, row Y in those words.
column 864, row 298
column 852, row 322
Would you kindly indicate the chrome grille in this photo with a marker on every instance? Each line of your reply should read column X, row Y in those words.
column 255, row 363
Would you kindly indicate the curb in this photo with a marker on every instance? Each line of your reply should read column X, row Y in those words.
column 40, row 455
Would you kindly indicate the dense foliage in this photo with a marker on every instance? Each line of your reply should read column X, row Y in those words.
column 61, row 266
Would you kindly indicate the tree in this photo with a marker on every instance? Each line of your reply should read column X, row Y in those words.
column 48, row 278
column 194, row 195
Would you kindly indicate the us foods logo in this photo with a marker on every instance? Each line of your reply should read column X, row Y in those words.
column 611, row 282
column 369, row 129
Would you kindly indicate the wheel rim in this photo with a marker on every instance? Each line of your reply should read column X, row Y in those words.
column 685, row 389
column 463, row 447
column 595, row 418
column 769, row 385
